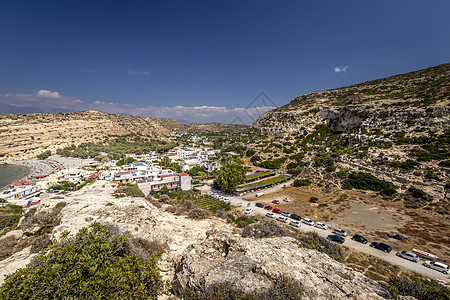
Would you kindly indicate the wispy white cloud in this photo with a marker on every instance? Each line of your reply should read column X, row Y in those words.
column 42, row 101
column 340, row 69
column 51, row 101
column 137, row 73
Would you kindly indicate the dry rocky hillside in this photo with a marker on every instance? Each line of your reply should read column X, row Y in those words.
column 396, row 128
column 27, row 135
column 197, row 252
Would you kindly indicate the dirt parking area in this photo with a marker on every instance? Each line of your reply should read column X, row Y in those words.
column 368, row 214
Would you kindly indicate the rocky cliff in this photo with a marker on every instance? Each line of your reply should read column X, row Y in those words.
column 27, row 135
column 200, row 252
column 396, row 128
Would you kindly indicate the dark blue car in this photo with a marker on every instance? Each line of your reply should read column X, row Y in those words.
column 336, row 238
column 381, row 246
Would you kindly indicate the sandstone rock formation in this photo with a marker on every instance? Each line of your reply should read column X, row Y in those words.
column 24, row 136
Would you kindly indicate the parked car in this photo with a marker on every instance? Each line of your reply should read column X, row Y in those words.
column 276, row 210
column 276, row 202
column 296, row 217
column 340, row 232
column 259, row 205
column 397, row 236
column 360, row 238
column 321, row 225
column 287, row 200
column 268, row 207
column 248, row 210
column 270, row 215
column 282, row 219
column 226, row 200
column 308, row 221
column 295, row 223
column 381, row 246
column 408, row 255
column 286, row 214
column 436, row 266
column 336, row 238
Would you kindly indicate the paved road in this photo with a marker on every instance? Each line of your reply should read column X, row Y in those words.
column 389, row 257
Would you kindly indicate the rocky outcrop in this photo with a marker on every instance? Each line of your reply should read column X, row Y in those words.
column 250, row 265
column 203, row 251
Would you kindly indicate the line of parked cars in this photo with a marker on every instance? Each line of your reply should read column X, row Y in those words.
column 340, row 234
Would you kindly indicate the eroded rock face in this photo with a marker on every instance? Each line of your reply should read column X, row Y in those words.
column 250, row 264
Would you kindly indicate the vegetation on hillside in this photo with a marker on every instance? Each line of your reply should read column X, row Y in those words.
column 366, row 181
column 117, row 146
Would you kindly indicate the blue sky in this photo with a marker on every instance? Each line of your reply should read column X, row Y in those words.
column 202, row 61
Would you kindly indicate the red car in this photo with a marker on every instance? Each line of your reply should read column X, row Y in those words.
column 276, row 210
column 268, row 207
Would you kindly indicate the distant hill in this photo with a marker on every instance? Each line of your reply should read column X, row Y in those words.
column 26, row 135
column 396, row 128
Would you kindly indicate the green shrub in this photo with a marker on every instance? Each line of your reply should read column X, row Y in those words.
column 407, row 165
column 313, row 199
column 312, row 240
column 301, row 182
column 366, row 181
column 9, row 221
column 445, row 164
column 243, row 221
column 44, row 155
column 284, row 288
column 128, row 189
column 342, row 173
column 94, row 264
column 419, row 288
column 431, row 175
column 416, row 193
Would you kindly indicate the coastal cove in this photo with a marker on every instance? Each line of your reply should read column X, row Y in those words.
column 10, row 173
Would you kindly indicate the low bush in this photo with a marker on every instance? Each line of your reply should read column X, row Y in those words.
column 312, row 240
column 266, row 229
column 408, row 165
column 445, row 163
column 301, row 182
column 313, row 199
column 419, row 288
column 284, row 288
column 366, row 181
column 93, row 264
column 243, row 221
column 128, row 189
column 416, row 193
column 198, row 213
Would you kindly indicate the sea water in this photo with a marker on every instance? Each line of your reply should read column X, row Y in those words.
column 10, row 173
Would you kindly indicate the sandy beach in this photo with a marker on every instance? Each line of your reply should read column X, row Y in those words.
column 51, row 165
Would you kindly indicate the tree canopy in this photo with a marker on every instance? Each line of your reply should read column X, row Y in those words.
column 231, row 174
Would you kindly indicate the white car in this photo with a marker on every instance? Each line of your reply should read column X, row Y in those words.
column 340, row 232
column 286, row 214
column 436, row 266
column 295, row 223
column 282, row 219
column 408, row 255
column 270, row 215
column 248, row 210
column 226, row 200
column 321, row 225
column 308, row 221
column 287, row 200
